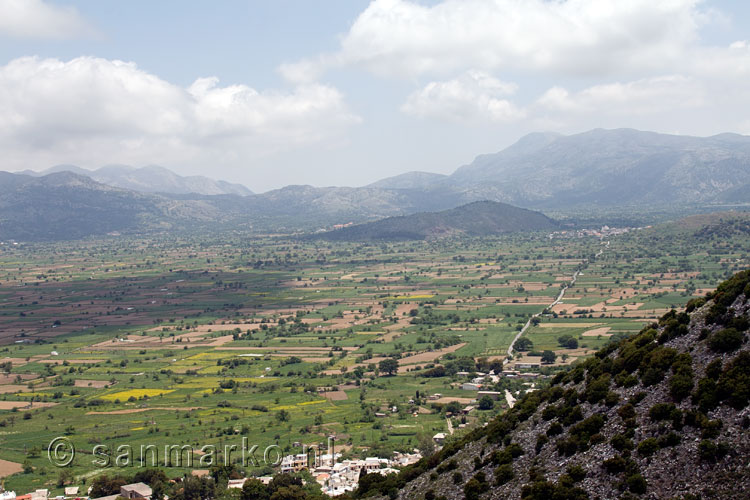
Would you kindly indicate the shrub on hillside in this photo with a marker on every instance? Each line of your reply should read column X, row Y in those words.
column 725, row 340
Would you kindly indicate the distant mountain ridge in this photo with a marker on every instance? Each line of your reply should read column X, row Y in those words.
column 597, row 171
column 604, row 168
column 150, row 179
column 481, row 218
column 65, row 205
column 409, row 180
column 611, row 167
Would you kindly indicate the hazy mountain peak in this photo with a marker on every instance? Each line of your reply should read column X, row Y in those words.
column 610, row 167
column 150, row 179
column 408, row 180
column 533, row 142
column 67, row 168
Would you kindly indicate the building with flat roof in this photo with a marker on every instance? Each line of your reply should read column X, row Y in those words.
column 136, row 491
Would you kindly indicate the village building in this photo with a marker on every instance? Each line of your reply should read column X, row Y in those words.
column 136, row 491
column 236, row 483
column 294, row 463
column 493, row 394
column 527, row 366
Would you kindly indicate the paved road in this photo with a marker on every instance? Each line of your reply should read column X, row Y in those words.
column 557, row 301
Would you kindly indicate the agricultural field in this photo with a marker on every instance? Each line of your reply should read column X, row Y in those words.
column 198, row 341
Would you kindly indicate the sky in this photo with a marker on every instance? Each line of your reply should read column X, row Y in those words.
column 346, row 92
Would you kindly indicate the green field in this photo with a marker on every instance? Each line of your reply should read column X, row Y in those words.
column 203, row 341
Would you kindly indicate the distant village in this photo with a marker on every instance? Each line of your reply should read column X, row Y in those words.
column 603, row 232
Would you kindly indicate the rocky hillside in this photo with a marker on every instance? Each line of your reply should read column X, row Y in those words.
column 662, row 414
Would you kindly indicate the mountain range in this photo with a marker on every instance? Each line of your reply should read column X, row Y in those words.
column 149, row 179
column 602, row 168
column 65, row 205
column 596, row 171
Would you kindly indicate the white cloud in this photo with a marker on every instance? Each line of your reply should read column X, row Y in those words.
column 96, row 111
column 636, row 62
column 473, row 96
column 672, row 103
column 640, row 97
column 581, row 37
column 39, row 19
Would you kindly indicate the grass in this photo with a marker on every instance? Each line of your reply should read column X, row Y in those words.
column 477, row 292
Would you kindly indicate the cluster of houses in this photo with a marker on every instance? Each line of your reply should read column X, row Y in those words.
column 481, row 379
column 338, row 477
column 604, row 232
column 335, row 477
column 135, row 491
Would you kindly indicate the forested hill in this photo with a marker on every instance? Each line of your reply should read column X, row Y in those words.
column 481, row 218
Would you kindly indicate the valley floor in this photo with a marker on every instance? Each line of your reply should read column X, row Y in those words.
column 203, row 342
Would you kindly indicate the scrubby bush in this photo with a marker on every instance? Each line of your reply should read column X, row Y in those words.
column 476, row 486
column 554, row 429
column 541, row 440
column 681, row 383
column 621, row 443
column 734, row 382
column 706, row 396
column 661, row 411
column 615, row 464
column 732, row 385
column 624, row 379
column 726, row 340
column 636, row 484
column 596, row 390
column 713, row 369
column 503, row 474
column 655, row 364
column 447, row 466
column 626, row 411
column 669, row 440
column 710, row 451
column 611, row 399
column 648, row 447
column 576, row 473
